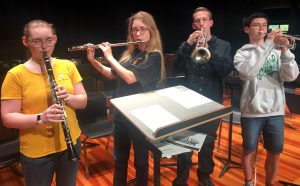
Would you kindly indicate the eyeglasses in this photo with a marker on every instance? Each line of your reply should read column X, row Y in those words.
column 141, row 30
column 259, row 25
column 38, row 42
column 199, row 20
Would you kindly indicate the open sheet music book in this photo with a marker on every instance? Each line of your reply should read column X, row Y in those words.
column 167, row 111
column 181, row 142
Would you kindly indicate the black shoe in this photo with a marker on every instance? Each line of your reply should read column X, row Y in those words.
column 205, row 181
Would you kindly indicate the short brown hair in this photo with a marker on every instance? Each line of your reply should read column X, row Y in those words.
column 203, row 9
column 247, row 20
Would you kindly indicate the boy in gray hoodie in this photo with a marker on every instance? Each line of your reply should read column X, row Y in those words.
column 263, row 67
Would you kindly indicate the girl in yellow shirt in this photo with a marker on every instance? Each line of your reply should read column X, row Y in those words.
column 26, row 104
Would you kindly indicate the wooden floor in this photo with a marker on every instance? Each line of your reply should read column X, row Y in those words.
column 101, row 161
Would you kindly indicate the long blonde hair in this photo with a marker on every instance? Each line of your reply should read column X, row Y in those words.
column 154, row 43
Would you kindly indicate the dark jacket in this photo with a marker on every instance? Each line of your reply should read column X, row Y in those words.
column 207, row 78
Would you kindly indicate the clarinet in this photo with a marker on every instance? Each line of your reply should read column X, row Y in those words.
column 70, row 147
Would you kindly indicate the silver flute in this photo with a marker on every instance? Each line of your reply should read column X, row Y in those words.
column 90, row 45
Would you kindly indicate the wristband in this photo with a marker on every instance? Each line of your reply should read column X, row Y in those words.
column 39, row 119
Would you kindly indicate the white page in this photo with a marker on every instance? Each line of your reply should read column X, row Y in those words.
column 154, row 116
column 167, row 91
column 188, row 98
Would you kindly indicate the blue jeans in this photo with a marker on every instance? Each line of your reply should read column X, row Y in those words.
column 272, row 129
column 40, row 171
column 124, row 134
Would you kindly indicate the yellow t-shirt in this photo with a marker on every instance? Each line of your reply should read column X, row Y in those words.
column 34, row 91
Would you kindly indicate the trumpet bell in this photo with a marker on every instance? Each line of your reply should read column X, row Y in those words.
column 201, row 55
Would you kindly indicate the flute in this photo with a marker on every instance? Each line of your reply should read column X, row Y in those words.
column 90, row 45
column 70, row 147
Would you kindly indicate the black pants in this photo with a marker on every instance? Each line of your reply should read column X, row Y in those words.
column 205, row 156
column 124, row 134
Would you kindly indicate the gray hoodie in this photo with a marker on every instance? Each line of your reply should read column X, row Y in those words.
column 263, row 70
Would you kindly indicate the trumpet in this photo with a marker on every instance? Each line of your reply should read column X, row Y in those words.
column 200, row 53
column 90, row 45
column 291, row 41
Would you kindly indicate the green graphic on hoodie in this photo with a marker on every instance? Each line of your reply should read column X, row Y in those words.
column 269, row 68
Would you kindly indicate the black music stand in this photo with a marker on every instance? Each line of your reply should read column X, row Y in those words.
column 170, row 82
column 292, row 102
column 168, row 115
column 291, row 98
column 234, row 83
column 228, row 161
column 288, row 184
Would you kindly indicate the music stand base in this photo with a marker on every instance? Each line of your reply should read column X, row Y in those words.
column 290, row 126
column 288, row 183
column 227, row 165
column 131, row 181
